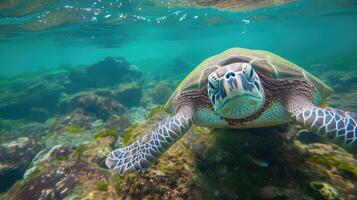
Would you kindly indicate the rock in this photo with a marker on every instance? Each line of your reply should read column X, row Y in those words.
column 138, row 114
column 73, row 179
column 129, row 94
column 47, row 155
column 98, row 150
column 118, row 123
column 109, row 72
column 323, row 163
column 161, row 93
column 68, row 138
column 37, row 97
column 15, row 157
column 92, row 104
column 70, row 130
column 37, row 102
column 76, row 118
column 325, row 190
column 272, row 192
column 61, row 173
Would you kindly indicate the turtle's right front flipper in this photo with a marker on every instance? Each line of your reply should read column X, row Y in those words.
column 335, row 124
column 139, row 155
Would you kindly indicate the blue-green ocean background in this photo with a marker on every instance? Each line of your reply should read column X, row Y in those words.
column 75, row 73
column 313, row 34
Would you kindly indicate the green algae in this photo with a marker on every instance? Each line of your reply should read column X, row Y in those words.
column 106, row 133
column 80, row 150
column 332, row 161
column 102, row 186
column 128, row 134
column 116, row 181
column 325, row 190
column 155, row 111
column 73, row 128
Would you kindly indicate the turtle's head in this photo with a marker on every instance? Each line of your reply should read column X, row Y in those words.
column 235, row 91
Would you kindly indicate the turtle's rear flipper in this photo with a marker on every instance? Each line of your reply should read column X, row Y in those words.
column 335, row 124
column 142, row 153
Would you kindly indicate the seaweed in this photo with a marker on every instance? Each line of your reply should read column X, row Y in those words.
column 102, row 186
column 106, row 133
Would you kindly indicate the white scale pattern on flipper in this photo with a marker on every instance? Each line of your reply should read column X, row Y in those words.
column 332, row 123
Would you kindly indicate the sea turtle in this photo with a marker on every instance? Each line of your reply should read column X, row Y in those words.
column 240, row 88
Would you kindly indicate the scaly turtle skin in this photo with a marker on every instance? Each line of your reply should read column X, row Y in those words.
column 240, row 88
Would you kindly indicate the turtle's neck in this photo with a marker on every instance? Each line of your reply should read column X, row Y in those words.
column 279, row 90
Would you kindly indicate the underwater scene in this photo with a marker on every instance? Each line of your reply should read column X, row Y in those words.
column 178, row 99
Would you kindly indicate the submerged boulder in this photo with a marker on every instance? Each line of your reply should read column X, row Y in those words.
column 129, row 93
column 161, row 93
column 326, row 164
column 15, row 158
column 93, row 104
column 106, row 73
column 47, row 155
column 36, row 102
column 60, row 181
column 72, row 173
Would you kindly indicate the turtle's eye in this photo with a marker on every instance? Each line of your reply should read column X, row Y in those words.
column 213, row 80
column 248, row 71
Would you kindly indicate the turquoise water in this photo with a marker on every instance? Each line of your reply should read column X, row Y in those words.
column 310, row 33
column 81, row 78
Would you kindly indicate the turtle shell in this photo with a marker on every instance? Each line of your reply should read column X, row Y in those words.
column 264, row 62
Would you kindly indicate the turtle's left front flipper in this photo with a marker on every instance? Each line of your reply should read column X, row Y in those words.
column 335, row 124
column 139, row 155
